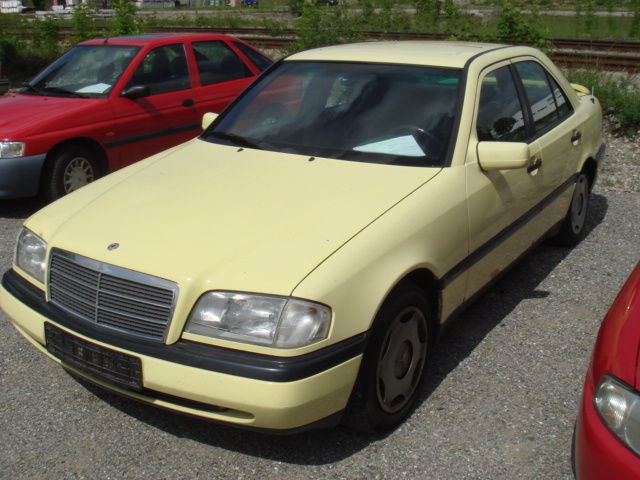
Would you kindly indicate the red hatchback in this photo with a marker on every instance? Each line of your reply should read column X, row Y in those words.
column 110, row 102
column 607, row 442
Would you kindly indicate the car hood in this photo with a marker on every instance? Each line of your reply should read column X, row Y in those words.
column 25, row 115
column 226, row 217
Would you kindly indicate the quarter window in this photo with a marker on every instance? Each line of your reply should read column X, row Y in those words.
column 217, row 63
column 500, row 116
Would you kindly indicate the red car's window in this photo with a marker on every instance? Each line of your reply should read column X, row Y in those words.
column 258, row 59
column 217, row 63
column 164, row 69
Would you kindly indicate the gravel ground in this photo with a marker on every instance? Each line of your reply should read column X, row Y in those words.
column 499, row 404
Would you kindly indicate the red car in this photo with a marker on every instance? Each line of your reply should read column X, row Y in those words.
column 607, row 438
column 109, row 102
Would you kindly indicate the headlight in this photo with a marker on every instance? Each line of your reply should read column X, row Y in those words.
column 619, row 407
column 31, row 254
column 280, row 322
column 11, row 149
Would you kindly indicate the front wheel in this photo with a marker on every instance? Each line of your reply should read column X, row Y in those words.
column 70, row 169
column 393, row 366
column 572, row 227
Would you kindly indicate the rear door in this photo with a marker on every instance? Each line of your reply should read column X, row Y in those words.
column 221, row 74
column 555, row 129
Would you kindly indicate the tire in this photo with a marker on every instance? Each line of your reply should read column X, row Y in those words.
column 71, row 168
column 572, row 227
column 394, row 362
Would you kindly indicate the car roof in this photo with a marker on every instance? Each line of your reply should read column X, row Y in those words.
column 155, row 38
column 444, row 54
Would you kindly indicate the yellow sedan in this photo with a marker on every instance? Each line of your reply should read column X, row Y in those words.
column 293, row 265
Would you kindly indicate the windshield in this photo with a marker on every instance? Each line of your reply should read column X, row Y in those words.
column 88, row 71
column 382, row 113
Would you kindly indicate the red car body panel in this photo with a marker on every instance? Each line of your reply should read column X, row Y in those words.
column 125, row 130
column 599, row 455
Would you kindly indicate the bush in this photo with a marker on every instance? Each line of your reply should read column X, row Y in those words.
column 514, row 27
column 319, row 26
column 124, row 21
column 83, row 22
column 618, row 94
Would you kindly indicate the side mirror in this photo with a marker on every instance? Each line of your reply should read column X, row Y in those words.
column 137, row 91
column 503, row 155
column 207, row 119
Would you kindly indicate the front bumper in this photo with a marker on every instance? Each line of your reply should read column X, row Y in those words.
column 205, row 381
column 20, row 177
column 599, row 455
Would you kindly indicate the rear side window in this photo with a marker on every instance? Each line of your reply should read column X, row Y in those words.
column 258, row 59
column 564, row 107
column 542, row 100
column 500, row 116
column 217, row 63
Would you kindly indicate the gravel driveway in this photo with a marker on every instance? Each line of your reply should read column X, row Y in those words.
column 500, row 402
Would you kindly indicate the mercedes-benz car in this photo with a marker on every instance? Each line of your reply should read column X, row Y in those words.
column 294, row 264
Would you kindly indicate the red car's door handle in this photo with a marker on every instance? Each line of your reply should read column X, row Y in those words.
column 187, row 102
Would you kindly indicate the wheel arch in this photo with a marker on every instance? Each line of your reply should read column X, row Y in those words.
column 427, row 283
column 590, row 168
column 84, row 142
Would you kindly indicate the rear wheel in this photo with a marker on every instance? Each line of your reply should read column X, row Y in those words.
column 70, row 169
column 393, row 366
column 572, row 228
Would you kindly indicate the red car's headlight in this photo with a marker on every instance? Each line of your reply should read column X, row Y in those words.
column 619, row 408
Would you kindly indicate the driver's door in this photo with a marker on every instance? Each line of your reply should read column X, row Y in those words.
column 164, row 116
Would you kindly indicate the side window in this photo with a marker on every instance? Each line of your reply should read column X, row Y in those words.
column 258, row 59
column 217, row 63
column 500, row 115
column 163, row 70
column 539, row 95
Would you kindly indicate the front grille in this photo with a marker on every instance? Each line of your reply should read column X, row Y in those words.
column 111, row 296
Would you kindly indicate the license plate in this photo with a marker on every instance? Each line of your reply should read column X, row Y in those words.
column 103, row 363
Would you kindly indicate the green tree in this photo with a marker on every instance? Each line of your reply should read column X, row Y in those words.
column 124, row 21
column 83, row 22
column 514, row 27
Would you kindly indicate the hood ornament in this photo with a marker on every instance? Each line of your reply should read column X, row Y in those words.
column 113, row 246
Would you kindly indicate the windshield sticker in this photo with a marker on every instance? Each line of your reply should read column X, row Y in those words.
column 405, row 146
column 96, row 88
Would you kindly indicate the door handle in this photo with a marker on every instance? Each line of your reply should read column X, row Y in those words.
column 576, row 136
column 187, row 102
column 535, row 165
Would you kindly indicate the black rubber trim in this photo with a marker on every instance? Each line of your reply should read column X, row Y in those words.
column 208, row 357
column 484, row 249
column 150, row 135
column 600, row 154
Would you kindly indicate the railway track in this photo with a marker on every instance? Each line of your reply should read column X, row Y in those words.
column 570, row 53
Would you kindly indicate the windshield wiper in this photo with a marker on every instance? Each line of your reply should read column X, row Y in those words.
column 31, row 88
column 235, row 139
column 64, row 91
